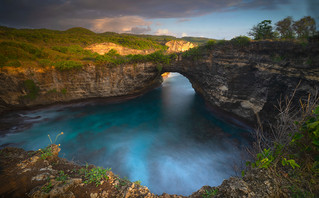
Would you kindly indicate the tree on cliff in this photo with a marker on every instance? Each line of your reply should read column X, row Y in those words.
column 305, row 27
column 263, row 30
column 284, row 28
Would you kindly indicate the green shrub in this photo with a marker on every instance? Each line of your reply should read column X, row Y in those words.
column 47, row 187
column 158, row 57
column 63, row 91
column 95, row 175
column 210, row 44
column 240, row 41
column 46, row 152
column 221, row 42
column 15, row 50
column 307, row 140
column 136, row 58
column 62, row 176
column 3, row 60
column 138, row 182
column 67, row 65
column 61, row 49
column 13, row 63
column 73, row 50
column 159, row 68
column 45, row 62
column 210, row 193
column 193, row 53
column 31, row 88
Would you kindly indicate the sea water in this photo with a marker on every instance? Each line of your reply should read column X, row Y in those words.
column 166, row 138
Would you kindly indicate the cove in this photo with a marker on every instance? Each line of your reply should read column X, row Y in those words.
column 166, row 138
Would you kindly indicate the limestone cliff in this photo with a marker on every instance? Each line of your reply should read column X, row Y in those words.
column 51, row 85
column 102, row 48
column 173, row 46
column 240, row 80
column 178, row 46
column 249, row 80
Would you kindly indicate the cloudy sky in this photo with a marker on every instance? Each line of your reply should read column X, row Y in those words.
column 220, row 19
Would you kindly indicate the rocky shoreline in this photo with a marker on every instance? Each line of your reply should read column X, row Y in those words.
column 36, row 174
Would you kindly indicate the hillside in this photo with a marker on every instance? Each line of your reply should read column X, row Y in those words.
column 197, row 40
column 75, row 47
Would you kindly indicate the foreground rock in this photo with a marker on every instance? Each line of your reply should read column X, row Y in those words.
column 31, row 174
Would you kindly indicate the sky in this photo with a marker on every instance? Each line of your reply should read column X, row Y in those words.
column 218, row 19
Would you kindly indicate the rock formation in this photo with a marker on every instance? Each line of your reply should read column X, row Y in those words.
column 240, row 80
column 102, row 48
column 249, row 80
column 178, row 46
column 173, row 46
column 60, row 86
column 31, row 174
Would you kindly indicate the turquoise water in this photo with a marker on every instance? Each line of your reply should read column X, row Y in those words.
column 165, row 138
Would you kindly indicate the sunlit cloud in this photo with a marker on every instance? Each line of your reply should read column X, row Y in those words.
column 164, row 32
column 128, row 24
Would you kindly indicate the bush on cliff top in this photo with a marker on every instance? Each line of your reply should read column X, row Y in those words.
column 65, row 49
column 76, row 36
column 240, row 41
column 113, row 58
column 67, row 65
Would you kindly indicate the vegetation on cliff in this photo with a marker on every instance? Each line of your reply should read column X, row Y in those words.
column 65, row 49
column 285, row 29
column 289, row 148
column 75, row 36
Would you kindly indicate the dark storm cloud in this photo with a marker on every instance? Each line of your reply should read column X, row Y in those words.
column 61, row 14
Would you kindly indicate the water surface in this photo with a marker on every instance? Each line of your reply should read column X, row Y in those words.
column 166, row 138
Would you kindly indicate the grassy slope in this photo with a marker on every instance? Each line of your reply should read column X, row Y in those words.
column 197, row 40
column 65, row 49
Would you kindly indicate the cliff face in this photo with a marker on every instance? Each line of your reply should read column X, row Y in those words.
column 102, row 48
column 249, row 80
column 178, row 46
column 51, row 85
column 240, row 80
column 173, row 46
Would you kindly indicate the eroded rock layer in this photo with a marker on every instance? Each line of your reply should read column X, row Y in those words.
column 34, row 86
column 240, row 80
column 249, row 80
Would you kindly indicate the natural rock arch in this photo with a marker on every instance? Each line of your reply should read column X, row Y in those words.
column 240, row 80
column 248, row 80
